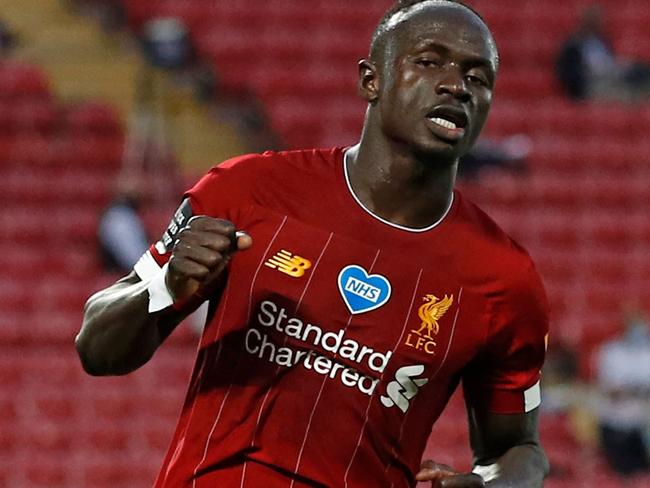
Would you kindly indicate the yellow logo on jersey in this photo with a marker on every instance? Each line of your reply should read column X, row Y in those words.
column 289, row 264
column 430, row 313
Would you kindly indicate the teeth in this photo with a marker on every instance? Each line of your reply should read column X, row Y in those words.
column 447, row 124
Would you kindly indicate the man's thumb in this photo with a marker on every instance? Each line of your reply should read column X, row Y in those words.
column 432, row 471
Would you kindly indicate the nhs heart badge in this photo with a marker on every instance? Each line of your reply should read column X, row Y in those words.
column 362, row 292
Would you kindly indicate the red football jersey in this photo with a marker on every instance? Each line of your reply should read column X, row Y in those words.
column 338, row 338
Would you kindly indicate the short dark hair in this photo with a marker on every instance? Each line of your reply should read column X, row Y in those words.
column 403, row 5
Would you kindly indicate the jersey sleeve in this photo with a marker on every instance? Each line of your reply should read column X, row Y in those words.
column 505, row 377
column 222, row 193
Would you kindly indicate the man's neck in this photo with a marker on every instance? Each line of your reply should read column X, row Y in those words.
column 398, row 186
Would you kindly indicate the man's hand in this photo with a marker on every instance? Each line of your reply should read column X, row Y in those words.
column 201, row 253
column 443, row 476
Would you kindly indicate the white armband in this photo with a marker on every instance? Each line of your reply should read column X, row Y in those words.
column 159, row 296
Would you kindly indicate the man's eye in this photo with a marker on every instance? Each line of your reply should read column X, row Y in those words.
column 477, row 80
column 427, row 63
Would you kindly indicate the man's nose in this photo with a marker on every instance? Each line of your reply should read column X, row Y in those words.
column 452, row 82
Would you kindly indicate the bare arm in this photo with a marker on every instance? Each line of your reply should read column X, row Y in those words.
column 119, row 334
column 507, row 454
column 507, row 448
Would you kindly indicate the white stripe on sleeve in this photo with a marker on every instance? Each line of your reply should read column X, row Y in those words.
column 532, row 397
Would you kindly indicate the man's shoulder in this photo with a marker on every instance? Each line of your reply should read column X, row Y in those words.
column 496, row 258
column 270, row 162
column 491, row 244
column 277, row 180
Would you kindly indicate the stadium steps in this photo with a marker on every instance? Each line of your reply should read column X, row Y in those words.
column 80, row 63
column 83, row 63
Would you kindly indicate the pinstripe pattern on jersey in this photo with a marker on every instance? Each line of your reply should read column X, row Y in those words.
column 225, row 398
column 286, row 339
column 320, row 392
column 372, row 397
column 431, row 378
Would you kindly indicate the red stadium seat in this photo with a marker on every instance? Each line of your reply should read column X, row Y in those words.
column 139, row 11
column 89, row 150
column 94, row 117
column 157, row 435
column 549, row 191
column 21, row 80
column 28, row 115
column 523, row 83
column 109, row 439
column 29, row 149
column 118, row 473
column 46, row 473
column 191, row 13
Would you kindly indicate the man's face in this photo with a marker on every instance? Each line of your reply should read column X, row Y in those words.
column 436, row 79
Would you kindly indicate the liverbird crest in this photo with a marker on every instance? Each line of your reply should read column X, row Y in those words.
column 431, row 312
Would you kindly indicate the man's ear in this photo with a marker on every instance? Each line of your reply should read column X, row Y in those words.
column 368, row 81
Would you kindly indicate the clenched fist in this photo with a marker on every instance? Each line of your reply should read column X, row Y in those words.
column 200, row 254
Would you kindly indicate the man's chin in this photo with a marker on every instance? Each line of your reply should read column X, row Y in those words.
column 439, row 150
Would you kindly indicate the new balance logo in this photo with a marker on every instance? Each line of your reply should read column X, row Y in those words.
column 289, row 264
column 400, row 391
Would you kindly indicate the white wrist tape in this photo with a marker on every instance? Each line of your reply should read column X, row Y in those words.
column 488, row 473
column 159, row 296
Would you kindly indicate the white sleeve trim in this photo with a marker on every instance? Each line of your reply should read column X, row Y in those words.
column 159, row 296
column 146, row 267
column 532, row 397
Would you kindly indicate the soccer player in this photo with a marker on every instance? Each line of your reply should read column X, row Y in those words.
column 351, row 291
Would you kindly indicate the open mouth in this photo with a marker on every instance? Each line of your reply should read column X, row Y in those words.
column 448, row 123
column 449, row 117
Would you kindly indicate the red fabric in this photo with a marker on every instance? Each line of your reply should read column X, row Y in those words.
column 331, row 418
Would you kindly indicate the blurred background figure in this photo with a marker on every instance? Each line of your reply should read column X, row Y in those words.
column 7, row 39
column 508, row 154
column 121, row 233
column 166, row 43
column 560, row 380
column 624, row 404
column 588, row 67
